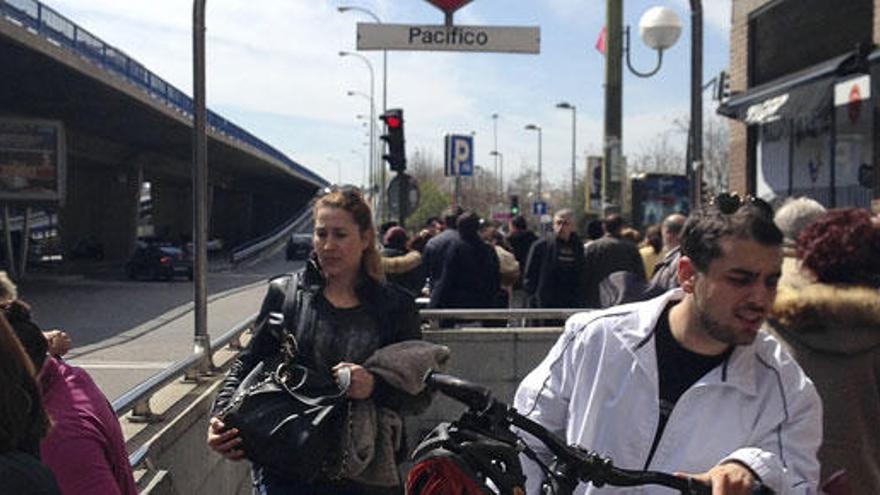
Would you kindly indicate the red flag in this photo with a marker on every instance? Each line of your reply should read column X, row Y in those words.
column 600, row 41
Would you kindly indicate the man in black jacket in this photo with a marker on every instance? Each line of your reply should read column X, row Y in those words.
column 554, row 275
column 470, row 275
column 521, row 240
column 608, row 255
column 435, row 250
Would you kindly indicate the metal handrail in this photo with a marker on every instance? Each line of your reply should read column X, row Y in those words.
column 137, row 400
column 61, row 31
column 518, row 315
column 255, row 246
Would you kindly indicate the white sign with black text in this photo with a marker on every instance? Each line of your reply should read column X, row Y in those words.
column 503, row 39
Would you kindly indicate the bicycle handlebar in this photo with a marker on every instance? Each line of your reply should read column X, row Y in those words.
column 583, row 465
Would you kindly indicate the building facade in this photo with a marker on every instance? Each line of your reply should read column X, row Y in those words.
column 804, row 81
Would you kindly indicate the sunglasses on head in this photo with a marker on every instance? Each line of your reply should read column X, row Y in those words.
column 345, row 189
column 730, row 203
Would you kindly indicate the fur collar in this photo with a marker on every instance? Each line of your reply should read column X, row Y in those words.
column 831, row 317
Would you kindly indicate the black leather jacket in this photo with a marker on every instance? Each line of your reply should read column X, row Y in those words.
column 394, row 310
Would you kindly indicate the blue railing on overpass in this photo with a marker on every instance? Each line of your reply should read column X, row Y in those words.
column 53, row 26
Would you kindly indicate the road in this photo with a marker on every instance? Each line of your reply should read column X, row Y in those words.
column 126, row 331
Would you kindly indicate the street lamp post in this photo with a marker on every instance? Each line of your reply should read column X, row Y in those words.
column 346, row 8
column 201, row 339
column 381, row 170
column 372, row 117
column 495, row 146
column 695, row 177
column 372, row 142
column 568, row 106
column 365, row 178
column 533, row 127
column 500, row 157
column 338, row 163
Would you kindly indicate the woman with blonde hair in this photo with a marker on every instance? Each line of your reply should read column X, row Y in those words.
column 349, row 316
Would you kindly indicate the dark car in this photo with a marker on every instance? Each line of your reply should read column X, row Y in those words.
column 299, row 246
column 154, row 260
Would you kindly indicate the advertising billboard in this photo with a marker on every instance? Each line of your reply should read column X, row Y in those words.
column 32, row 160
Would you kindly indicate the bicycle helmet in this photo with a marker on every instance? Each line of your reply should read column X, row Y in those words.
column 455, row 460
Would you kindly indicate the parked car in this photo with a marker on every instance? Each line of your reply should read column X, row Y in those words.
column 157, row 260
column 299, row 246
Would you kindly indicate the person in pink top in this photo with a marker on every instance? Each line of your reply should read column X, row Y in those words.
column 84, row 449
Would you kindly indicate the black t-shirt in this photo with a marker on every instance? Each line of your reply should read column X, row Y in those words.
column 341, row 334
column 677, row 369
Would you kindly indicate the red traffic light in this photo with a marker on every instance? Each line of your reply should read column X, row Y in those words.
column 392, row 122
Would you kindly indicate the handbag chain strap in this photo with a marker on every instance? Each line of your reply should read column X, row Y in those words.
column 342, row 469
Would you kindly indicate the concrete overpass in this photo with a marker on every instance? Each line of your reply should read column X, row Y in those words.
column 124, row 126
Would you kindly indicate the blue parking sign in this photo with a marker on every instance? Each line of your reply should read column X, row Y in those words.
column 539, row 208
column 459, row 155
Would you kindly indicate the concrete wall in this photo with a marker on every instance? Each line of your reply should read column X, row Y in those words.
column 496, row 358
column 101, row 203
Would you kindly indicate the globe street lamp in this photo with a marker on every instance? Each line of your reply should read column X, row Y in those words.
column 568, row 106
column 659, row 28
column 533, row 127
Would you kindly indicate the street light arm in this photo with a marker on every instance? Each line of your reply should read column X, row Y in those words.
column 346, row 8
column 626, row 49
column 358, row 55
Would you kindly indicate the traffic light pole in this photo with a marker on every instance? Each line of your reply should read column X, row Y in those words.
column 402, row 198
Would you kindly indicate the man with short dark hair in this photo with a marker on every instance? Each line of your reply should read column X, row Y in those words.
column 434, row 255
column 608, row 255
column 665, row 274
column 554, row 275
column 688, row 382
column 521, row 240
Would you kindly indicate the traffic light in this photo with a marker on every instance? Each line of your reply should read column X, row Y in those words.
column 514, row 204
column 722, row 90
column 396, row 150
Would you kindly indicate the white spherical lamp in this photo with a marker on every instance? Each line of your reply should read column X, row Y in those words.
column 659, row 28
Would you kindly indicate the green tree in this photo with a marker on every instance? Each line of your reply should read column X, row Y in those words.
column 432, row 202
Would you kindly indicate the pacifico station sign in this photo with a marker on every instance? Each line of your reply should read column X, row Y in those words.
column 448, row 37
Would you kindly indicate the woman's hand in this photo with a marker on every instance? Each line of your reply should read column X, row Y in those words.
column 58, row 341
column 362, row 381
column 226, row 442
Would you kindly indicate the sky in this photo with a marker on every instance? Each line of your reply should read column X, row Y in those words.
column 273, row 67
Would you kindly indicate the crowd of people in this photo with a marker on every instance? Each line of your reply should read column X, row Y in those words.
column 738, row 346
column 460, row 260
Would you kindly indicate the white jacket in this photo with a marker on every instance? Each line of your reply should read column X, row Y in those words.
column 598, row 388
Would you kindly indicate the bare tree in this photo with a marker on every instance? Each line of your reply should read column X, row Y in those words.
column 658, row 156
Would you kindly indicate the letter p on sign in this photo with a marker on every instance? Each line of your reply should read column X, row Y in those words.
column 459, row 155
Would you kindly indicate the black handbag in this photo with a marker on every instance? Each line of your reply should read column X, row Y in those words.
column 290, row 419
